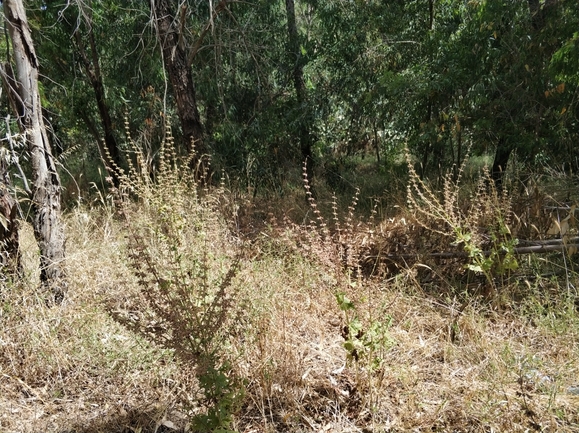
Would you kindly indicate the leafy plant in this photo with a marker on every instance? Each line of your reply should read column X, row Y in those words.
column 364, row 343
column 185, row 267
column 481, row 228
column 224, row 395
column 499, row 260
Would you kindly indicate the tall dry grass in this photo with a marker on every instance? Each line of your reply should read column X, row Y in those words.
column 317, row 325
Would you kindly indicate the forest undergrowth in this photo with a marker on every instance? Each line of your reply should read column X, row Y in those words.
column 193, row 308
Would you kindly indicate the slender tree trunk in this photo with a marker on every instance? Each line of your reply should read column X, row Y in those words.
column 429, row 145
column 300, row 88
column 178, row 70
column 93, row 72
column 458, row 131
column 376, row 143
column 502, row 156
column 48, row 227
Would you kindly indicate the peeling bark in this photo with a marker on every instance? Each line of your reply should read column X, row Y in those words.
column 48, row 227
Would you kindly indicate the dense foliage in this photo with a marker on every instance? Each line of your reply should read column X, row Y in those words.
column 201, row 292
column 439, row 77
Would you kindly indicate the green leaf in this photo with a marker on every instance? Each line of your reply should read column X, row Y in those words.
column 344, row 303
column 355, row 326
column 349, row 346
column 475, row 268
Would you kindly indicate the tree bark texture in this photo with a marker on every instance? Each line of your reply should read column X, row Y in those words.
column 500, row 162
column 48, row 227
column 178, row 70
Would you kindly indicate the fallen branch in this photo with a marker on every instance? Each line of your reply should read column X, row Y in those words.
column 530, row 247
column 573, row 240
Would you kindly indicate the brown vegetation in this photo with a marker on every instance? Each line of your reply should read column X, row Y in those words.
column 324, row 325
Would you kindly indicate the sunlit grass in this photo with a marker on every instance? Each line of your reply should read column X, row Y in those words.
column 455, row 361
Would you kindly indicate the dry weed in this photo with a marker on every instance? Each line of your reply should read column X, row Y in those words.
column 453, row 362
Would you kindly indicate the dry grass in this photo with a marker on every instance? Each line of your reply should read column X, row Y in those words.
column 72, row 367
column 455, row 362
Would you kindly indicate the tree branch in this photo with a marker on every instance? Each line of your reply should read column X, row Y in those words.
column 222, row 5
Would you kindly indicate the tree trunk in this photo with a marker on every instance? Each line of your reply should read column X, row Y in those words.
column 300, row 88
column 502, row 156
column 48, row 227
column 93, row 72
column 376, row 143
column 179, row 72
column 429, row 146
column 458, row 136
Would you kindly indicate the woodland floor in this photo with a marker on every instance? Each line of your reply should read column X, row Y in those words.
column 429, row 357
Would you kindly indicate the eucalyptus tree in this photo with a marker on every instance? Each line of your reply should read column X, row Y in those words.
column 82, row 30
column 261, row 85
column 178, row 51
column 48, row 226
column 515, row 100
column 100, row 68
column 74, row 25
column 358, row 50
column 196, row 40
column 492, row 78
column 246, row 91
column 443, row 74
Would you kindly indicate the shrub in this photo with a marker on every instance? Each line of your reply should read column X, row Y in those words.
column 185, row 262
column 481, row 227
